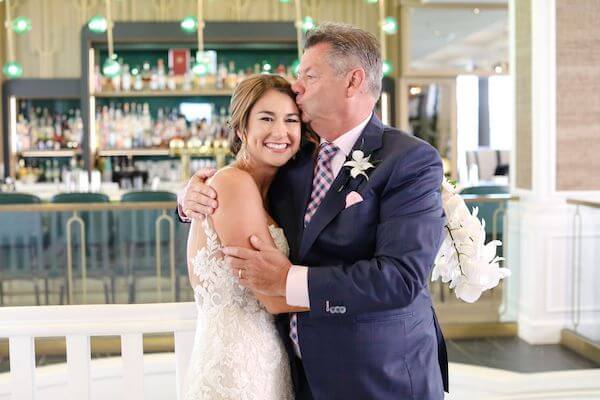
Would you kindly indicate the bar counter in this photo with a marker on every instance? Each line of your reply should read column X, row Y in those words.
column 45, row 191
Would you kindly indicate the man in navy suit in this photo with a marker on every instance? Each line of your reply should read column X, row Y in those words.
column 362, row 242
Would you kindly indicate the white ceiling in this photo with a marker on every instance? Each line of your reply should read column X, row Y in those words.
column 444, row 38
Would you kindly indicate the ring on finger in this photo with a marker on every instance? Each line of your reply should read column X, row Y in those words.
column 240, row 273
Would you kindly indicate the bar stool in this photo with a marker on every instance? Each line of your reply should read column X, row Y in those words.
column 22, row 245
column 140, row 245
column 96, row 225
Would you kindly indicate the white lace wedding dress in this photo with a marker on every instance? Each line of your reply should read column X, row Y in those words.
column 237, row 354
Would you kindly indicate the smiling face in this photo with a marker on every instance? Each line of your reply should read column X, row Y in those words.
column 273, row 130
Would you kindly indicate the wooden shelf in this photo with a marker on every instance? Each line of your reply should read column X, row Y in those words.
column 165, row 93
column 133, row 152
column 48, row 153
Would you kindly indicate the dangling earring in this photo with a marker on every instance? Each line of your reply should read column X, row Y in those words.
column 243, row 153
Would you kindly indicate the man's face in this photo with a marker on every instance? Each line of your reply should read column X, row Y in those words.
column 320, row 90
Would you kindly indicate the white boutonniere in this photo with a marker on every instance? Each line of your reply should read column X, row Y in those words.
column 359, row 165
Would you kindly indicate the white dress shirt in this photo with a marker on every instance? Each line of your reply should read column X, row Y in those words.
column 296, row 289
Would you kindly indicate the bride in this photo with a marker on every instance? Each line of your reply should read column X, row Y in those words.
column 237, row 352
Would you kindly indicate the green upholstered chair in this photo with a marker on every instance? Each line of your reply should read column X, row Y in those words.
column 22, row 243
column 98, row 239
column 136, row 233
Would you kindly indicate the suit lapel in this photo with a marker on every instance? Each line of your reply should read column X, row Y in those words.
column 300, row 187
column 334, row 201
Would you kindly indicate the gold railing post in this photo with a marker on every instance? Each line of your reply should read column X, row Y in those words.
column 76, row 219
column 576, row 269
column 169, row 219
column 502, row 210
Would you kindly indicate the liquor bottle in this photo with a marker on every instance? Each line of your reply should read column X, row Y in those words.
column 77, row 129
column 47, row 175
column 146, row 74
column 126, row 79
column 221, row 76
column 161, row 75
column 281, row 70
column 231, row 76
column 98, row 79
column 139, row 83
column 130, row 125
column 154, row 79
column 55, row 175
column 188, row 78
column 171, row 83
column 24, row 137
column 241, row 75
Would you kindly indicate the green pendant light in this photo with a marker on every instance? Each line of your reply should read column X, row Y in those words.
column 189, row 24
column 307, row 23
column 98, row 24
column 111, row 67
column 390, row 25
column 387, row 68
column 200, row 67
column 12, row 69
column 21, row 25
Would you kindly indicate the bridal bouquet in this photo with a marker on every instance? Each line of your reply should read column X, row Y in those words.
column 464, row 260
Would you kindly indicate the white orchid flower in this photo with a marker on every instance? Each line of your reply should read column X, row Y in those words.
column 359, row 164
column 464, row 259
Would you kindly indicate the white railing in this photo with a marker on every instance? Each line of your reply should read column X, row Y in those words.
column 21, row 325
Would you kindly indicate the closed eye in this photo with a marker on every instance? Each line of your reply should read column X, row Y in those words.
column 268, row 119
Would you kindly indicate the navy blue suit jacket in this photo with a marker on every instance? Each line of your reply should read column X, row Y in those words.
column 371, row 332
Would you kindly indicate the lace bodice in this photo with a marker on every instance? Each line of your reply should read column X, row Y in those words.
column 218, row 287
column 238, row 354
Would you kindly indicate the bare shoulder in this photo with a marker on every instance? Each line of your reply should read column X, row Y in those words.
column 233, row 182
column 237, row 192
column 241, row 212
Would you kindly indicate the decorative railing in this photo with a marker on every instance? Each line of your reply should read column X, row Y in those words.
column 77, row 324
column 73, row 243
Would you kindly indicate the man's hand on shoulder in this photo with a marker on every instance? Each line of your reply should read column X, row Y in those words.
column 263, row 270
column 197, row 199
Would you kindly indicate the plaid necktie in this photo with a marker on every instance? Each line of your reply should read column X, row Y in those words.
column 322, row 181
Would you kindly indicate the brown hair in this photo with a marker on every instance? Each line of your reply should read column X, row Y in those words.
column 350, row 47
column 245, row 96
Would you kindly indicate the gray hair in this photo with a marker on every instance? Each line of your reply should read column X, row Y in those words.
column 351, row 47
